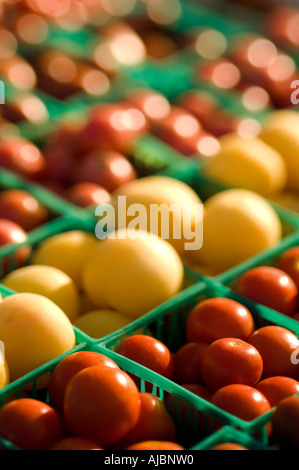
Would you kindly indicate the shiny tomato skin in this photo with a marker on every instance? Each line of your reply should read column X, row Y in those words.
column 30, row 424
column 270, row 287
column 218, row 318
column 154, row 423
column 242, row 401
column 22, row 208
column 288, row 262
column 276, row 345
column 187, row 363
column 285, row 422
column 229, row 446
column 68, row 367
column 101, row 404
column 276, row 389
column 231, row 361
column 155, row 445
column 148, row 352
column 75, row 443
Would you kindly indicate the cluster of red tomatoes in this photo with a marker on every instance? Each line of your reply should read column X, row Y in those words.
column 94, row 405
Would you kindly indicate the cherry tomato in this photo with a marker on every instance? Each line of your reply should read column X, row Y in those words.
column 276, row 389
column 21, row 156
column 231, row 361
column 218, row 318
column 270, row 287
column 229, row 446
column 88, row 194
column 76, row 443
column 285, row 422
column 101, row 404
column 187, row 363
column 30, row 424
column 12, row 233
column 155, row 445
column 149, row 352
column 68, row 367
column 288, row 262
column 154, row 423
column 22, row 208
column 109, row 169
column 242, row 401
column 276, row 346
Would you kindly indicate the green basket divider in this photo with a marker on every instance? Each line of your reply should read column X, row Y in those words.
column 167, row 324
column 228, row 434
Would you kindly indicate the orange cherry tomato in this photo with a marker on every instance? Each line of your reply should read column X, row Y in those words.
column 231, row 361
column 276, row 389
column 229, row 446
column 70, row 366
column 30, row 424
column 218, row 318
column 101, row 404
column 155, row 445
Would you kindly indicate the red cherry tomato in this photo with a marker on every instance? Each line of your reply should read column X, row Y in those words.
column 149, row 352
column 30, row 424
column 12, row 233
column 76, row 443
column 288, row 262
column 21, row 156
column 70, row 366
column 109, row 169
column 155, row 445
column 276, row 389
column 229, row 446
column 231, row 361
column 154, row 423
column 88, row 194
column 218, row 318
column 22, row 208
column 276, row 345
column 270, row 287
column 242, row 401
column 101, row 404
column 285, row 422
column 187, row 363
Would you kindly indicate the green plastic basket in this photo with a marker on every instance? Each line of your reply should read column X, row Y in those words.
column 188, row 432
column 167, row 324
column 227, row 434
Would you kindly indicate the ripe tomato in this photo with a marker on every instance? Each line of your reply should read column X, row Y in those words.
column 22, row 208
column 12, row 233
column 276, row 389
column 155, row 445
column 231, row 361
column 218, row 318
column 21, row 156
column 101, row 404
column 88, row 194
column 242, row 401
column 75, row 443
column 154, row 423
column 187, row 363
column 270, row 287
column 229, row 446
column 68, row 367
column 276, row 345
column 285, row 421
column 289, row 263
column 148, row 352
column 30, row 424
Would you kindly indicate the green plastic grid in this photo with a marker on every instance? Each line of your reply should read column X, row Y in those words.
column 188, row 433
column 167, row 324
column 227, row 434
